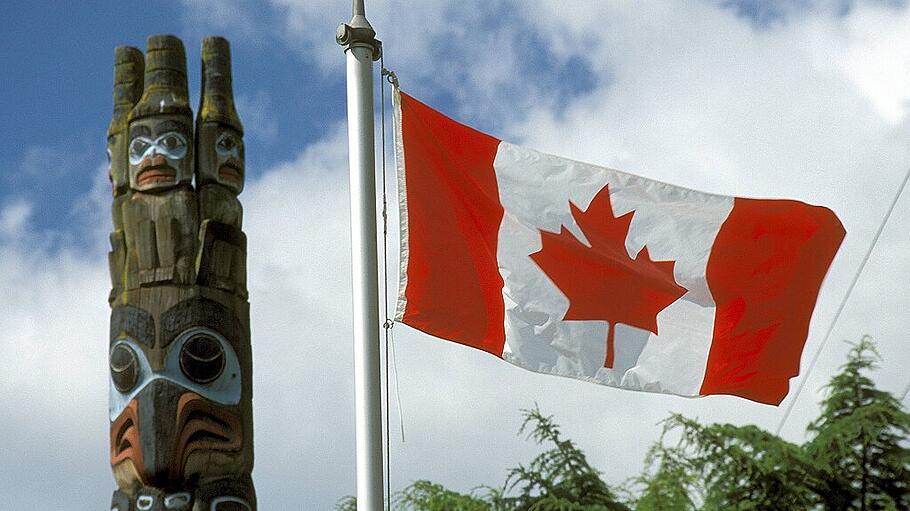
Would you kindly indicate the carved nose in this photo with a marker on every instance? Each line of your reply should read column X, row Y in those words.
column 157, row 430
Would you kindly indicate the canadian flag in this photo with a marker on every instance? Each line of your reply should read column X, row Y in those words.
column 576, row 270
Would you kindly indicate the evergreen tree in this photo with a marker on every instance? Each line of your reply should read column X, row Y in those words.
column 668, row 481
column 348, row 503
column 857, row 458
column 560, row 478
column 859, row 443
column 428, row 496
column 743, row 467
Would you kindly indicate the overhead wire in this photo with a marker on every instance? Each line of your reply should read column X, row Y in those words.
column 843, row 303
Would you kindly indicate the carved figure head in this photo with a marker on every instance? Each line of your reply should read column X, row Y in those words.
column 160, row 125
column 180, row 395
column 129, row 65
column 219, row 133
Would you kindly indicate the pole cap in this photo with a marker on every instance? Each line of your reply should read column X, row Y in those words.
column 129, row 66
column 358, row 32
column 217, row 101
column 165, row 79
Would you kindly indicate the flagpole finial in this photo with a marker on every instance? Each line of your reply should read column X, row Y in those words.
column 358, row 8
column 358, row 32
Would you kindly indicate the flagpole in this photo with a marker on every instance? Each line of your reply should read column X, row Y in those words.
column 361, row 49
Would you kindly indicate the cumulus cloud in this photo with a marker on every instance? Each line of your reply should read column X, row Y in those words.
column 258, row 117
column 810, row 108
column 700, row 95
column 233, row 18
column 52, row 357
column 811, row 104
column 53, row 342
column 14, row 217
column 474, row 56
column 877, row 59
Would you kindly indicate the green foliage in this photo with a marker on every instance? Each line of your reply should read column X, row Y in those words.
column 559, row 478
column 856, row 459
column 668, row 481
column 348, row 503
column 742, row 467
column 859, row 441
column 428, row 496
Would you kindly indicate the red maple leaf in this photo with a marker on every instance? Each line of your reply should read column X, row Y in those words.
column 601, row 281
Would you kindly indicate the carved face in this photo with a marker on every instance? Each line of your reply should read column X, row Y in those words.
column 160, row 153
column 221, row 156
column 179, row 395
column 116, row 163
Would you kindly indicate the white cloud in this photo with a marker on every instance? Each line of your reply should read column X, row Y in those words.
column 258, row 116
column 472, row 52
column 234, row 18
column 697, row 96
column 877, row 58
column 52, row 358
column 701, row 98
column 297, row 223
column 684, row 92
column 40, row 161
column 14, row 216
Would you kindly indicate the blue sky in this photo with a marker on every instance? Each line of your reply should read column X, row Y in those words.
column 58, row 92
column 808, row 99
column 57, row 59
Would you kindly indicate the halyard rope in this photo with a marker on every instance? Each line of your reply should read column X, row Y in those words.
column 392, row 78
column 387, row 325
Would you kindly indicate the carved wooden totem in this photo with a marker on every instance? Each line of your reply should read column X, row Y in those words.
column 180, row 359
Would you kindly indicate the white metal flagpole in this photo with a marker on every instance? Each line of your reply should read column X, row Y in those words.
column 361, row 49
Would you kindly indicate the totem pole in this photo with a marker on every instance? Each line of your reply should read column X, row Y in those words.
column 180, row 360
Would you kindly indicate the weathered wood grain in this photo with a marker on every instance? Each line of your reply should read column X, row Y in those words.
column 181, row 361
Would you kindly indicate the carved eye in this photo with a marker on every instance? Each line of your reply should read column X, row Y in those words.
column 230, row 504
column 124, row 367
column 227, row 145
column 177, row 500
column 172, row 142
column 138, row 147
column 202, row 359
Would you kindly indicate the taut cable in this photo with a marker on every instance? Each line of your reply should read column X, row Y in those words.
column 843, row 303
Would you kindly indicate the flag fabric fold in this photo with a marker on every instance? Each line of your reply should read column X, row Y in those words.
column 576, row 270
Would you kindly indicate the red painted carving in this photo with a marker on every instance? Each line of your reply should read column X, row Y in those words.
column 203, row 426
column 125, row 437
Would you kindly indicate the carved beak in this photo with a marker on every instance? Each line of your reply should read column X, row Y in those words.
column 203, row 426
column 144, row 437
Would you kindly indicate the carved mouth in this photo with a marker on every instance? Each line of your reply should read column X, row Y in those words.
column 203, row 426
column 231, row 170
column 155, row 170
